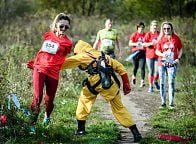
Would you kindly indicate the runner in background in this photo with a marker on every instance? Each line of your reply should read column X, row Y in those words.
column 47, row 65
column 136, row 43
column 151, row 58
column 107, row 40
column 169, row 50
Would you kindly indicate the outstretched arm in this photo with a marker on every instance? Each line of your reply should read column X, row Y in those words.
column 75, row 61
column 71, row 62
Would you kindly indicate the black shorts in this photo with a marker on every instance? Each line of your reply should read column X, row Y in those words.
column 111, row 54
column 141, row 54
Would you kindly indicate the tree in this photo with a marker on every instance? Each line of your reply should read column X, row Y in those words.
column 9, row 9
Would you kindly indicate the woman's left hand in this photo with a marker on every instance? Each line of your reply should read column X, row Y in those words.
column 30, row 64
column 177, row 61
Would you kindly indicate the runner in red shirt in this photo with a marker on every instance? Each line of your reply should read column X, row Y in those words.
column 151, row 58
column 169, row 50
column 136, row 43
column 47, row 67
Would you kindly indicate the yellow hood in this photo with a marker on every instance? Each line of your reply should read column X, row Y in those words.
column 82, row 46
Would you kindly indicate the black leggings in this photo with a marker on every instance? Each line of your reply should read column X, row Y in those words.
column 139, row 60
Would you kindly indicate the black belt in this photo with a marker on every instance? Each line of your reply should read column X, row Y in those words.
column 91, row 88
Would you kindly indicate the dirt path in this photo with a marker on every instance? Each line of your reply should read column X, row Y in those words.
column 141, row 104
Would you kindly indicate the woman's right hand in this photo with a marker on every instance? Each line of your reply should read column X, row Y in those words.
column 140, row 45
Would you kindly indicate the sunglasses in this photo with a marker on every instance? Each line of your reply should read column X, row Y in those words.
column 64, row 26
column 166, row 28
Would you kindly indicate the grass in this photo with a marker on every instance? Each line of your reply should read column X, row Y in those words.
column 62, row 127
column 14, row 77
column 18, row 79
column 182, row 120
column 170, row 122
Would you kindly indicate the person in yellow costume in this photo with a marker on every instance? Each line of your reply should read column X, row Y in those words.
column 85, row 54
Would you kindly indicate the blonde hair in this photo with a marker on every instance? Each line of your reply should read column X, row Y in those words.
column 151, row 24
column 154, row 21
column 162, row 33
column 60, row 16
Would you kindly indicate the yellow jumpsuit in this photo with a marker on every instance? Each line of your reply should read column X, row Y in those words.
column 112, row 95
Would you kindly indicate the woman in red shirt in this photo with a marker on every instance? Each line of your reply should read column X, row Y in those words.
column 47, row 67
column 136, row 43
column 169, row 50
column 151, row 58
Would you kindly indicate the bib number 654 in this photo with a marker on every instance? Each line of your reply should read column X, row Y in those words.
column 50, row 47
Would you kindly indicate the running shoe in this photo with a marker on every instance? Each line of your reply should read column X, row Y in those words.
column 163, row 106
column 150, row 89
column 171, row 106
column 134, row 81
column 142, row 84
column 157, row 85
column 46, row 121
column 33, row 129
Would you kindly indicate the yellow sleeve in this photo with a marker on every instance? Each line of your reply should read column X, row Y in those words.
column 117, row 66
column 75, row 61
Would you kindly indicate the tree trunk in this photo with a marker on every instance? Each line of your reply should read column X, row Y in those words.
column 83, row 7
column 91, row 7
column 180, row 8
column 169, row 8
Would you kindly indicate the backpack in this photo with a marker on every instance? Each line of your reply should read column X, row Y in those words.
column 104, row 70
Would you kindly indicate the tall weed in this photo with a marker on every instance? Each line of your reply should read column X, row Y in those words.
column 188, row 91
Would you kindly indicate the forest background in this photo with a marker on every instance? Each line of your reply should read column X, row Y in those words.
column 22, row 24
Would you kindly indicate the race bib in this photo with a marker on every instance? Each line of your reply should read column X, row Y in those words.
column 169, row 55
column 50, row 47
column 168, row 45
column 107, row 42
column 140, row 45
column 154, row 41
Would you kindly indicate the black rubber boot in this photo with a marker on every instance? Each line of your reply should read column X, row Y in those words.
column 81, row 127
column 136, row 135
